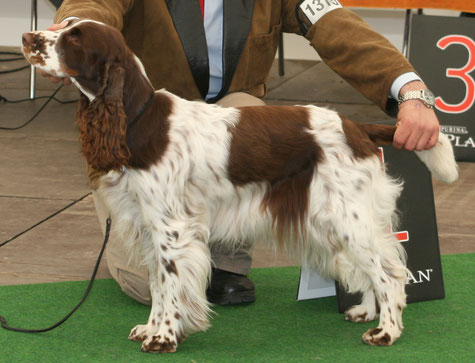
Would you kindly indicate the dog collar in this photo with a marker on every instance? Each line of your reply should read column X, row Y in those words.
column 144, row 108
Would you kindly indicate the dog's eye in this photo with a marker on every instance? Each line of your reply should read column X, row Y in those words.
column 73, row 36
column 75, row 31
column 72, row 39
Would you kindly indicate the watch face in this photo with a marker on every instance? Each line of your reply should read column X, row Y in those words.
column 429, row 97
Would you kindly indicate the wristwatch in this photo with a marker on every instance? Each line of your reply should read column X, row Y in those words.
column 426, row 96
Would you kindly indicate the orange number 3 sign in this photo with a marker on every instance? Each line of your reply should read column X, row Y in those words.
column 460, row 73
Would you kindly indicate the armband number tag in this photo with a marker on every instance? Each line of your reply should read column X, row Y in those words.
column 315, row 9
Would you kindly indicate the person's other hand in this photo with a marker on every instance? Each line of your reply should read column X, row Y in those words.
column 52, row 78
column 417, row 125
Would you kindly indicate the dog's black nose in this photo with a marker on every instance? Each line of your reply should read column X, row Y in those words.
column 27, row 38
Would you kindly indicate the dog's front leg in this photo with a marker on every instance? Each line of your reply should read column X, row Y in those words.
column 183, row 268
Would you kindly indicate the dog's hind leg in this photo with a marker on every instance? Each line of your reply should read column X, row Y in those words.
column 378, row 271
column 183, row 267
column 365, row 312
column 355, row 280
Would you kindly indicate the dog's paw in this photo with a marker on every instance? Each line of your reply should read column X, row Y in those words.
column 360, row 314
column 159, row 344
column 141, row 333
column 379, row 336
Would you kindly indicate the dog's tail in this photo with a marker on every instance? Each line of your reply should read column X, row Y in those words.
column 440, row 160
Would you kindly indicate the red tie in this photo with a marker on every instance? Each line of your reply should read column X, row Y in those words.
column 202, row 5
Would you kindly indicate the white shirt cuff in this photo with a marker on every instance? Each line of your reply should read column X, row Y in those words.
column 400, row 81
column 70, row 18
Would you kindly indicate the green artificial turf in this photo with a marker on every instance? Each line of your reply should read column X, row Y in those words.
column 276, row 328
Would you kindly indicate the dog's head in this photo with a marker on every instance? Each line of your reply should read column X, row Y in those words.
column 86, row 51
column 96, row 59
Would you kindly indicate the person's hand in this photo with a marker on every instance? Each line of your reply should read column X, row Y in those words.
column 55, row 27
column 55, row 79
column 417, row 125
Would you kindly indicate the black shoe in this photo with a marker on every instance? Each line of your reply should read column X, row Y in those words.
column 227, row 288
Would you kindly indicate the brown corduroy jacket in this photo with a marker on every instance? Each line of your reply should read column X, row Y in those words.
column 168, row 36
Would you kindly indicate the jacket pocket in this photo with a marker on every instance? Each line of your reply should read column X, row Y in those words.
column 261, row 50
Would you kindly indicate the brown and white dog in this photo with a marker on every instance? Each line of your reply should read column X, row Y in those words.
column 182, row 175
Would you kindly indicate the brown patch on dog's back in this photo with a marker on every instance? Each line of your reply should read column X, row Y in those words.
column 272, row 144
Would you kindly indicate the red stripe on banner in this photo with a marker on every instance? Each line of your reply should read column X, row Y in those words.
column 381, row 154
column 402, row 236
column 202, row 5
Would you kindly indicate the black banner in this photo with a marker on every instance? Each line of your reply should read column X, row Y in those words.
column 418, row 226
column 442, row 50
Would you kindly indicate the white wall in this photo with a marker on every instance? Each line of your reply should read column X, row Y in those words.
column 15, row 20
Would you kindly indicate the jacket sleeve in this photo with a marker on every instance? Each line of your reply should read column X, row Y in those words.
column 361, row 56
column 107, row 11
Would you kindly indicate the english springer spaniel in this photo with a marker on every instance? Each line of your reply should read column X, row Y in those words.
column 183, row 175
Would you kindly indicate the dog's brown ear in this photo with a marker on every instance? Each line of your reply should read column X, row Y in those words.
column 103, row 123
